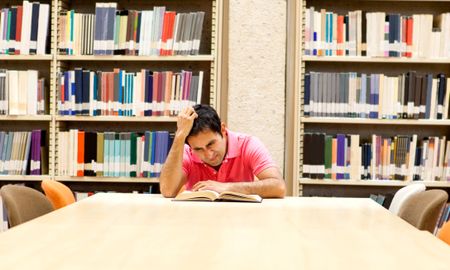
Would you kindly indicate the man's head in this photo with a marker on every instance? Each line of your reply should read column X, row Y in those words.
column 208, row 138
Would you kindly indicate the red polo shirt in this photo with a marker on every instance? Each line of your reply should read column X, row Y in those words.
column 246, row 157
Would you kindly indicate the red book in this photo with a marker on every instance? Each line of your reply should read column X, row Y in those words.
column 340, row 35
column 403, row 31
column 409, row 36
column 80, row 157
column 18, row 29
column 164, row 35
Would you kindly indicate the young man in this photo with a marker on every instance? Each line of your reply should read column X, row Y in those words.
column 218, row 159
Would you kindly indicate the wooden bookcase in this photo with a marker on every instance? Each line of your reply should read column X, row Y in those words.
column 209, row 61
column 299, row 124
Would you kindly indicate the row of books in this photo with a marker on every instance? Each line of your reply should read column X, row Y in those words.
column 124, row 154
column 130, row 32
column 444, row 217
column 376, row 34
column 22, row 152
column 378, row 198
column 22, row 93
column 409, row 95
column 344, row 157
column 24, row 29
column 144, row 93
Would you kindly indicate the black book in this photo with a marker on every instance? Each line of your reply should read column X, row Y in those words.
column 34, row 28
column 90, row 152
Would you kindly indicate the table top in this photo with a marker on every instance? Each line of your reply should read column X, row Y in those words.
column 138, row 231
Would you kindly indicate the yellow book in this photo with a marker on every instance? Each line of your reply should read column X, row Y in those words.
column 209, row 195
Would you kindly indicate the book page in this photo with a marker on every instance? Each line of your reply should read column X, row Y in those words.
column 236, row 196
column 203, row 195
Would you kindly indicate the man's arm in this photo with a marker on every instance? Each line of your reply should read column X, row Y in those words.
column 172, row 177
column 269, row 185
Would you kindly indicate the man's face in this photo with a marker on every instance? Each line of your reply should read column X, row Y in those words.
column 209, row 146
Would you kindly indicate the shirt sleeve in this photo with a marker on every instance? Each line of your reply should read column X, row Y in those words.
column 257, row 156
column 187, row 161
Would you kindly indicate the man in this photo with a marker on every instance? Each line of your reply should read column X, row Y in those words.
column 218, row 159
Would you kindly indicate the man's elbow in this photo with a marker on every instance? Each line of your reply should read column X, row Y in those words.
column 280, row 189
column 167, row 192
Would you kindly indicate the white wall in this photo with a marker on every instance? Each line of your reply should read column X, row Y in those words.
column 257, row 51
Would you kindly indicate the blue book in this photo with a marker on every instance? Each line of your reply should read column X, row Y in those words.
column 340, row 161
column 100, row 28
column 86, row 84
column 110, row 26
column 362, row 97
column 78, row 90
column 95, row 94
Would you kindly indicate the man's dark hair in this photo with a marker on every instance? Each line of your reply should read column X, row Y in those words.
column 207, row 119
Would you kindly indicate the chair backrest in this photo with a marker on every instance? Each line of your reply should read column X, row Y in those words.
column 444, row 232
column 422, row 209
column 403, row 194
column 58, row 193
column 23, row 203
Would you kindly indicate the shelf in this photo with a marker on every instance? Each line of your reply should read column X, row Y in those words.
column 26, row 57
column 25, row 117
column 365, row 121
column 184, row 58
column 106, row 179
column 21, row 178
column 364, row 59
column 117, row 118
column 389, row 183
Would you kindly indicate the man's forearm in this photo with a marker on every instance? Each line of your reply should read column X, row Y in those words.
column 171, row 176
column 266, row 188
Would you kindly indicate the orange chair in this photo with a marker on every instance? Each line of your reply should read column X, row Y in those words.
column 444, row 232
column 58, row 194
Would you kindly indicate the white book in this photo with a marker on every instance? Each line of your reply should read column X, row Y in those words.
column 92, row 102
column 355, row 158
column 433, row 104
column 441, row 157
column 2, row 41
column 42, row 28
column 13, row 91
column 446, row 100
column 26, row 28
column 32, row 94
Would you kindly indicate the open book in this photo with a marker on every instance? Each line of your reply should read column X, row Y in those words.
column 209, row 195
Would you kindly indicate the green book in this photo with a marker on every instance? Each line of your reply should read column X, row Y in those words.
column 328, row 150
column 100, row 153
column 133, row 154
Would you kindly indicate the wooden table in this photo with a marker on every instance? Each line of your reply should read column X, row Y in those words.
column 136, row 231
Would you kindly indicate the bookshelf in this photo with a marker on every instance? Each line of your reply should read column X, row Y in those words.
column 303, row 63
column 50, row 65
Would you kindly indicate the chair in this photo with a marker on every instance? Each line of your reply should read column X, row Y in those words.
column 23, row 204
column 444, row 232
column 403, row 194
column 422, row 209
column 58, row 193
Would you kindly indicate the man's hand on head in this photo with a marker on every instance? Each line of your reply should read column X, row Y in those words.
column 211, row 185
column 185, row 121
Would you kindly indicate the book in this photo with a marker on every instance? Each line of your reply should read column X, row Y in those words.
column 210, row 195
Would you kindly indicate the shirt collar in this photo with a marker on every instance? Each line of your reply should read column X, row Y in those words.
column 233, row 147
